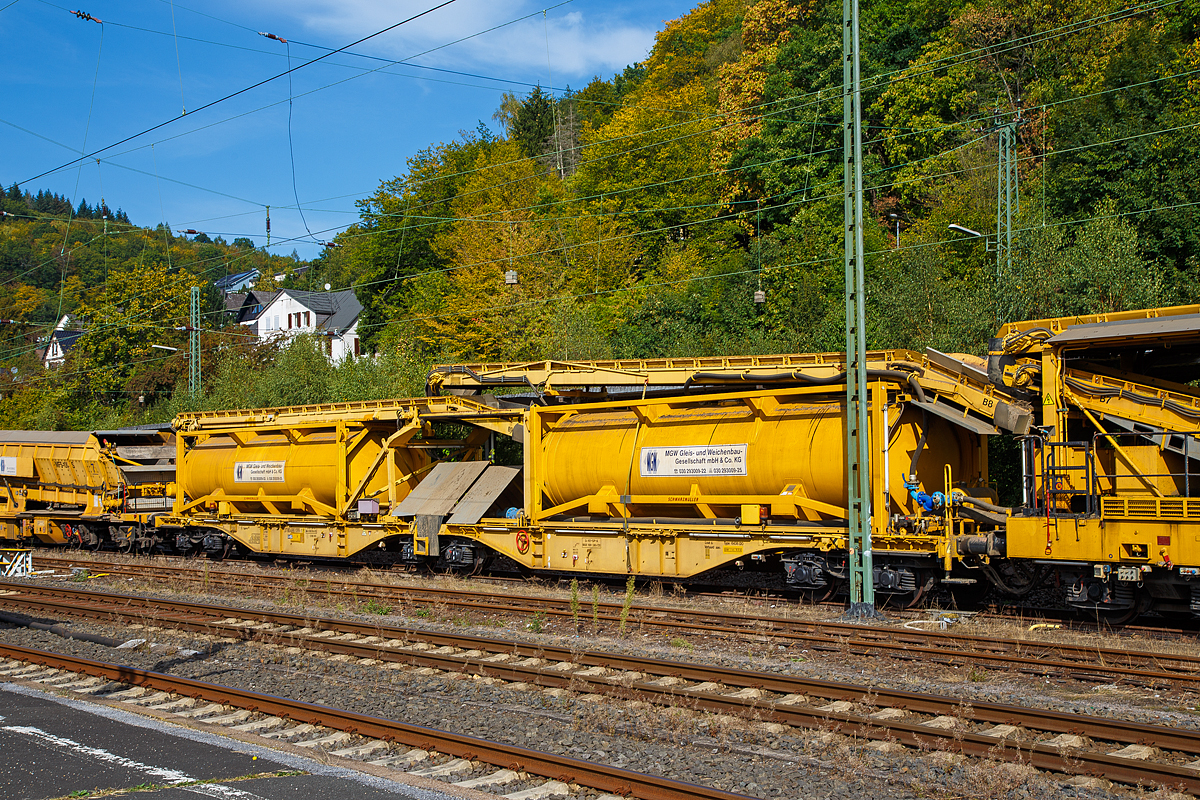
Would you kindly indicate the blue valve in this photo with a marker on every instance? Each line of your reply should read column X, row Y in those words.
column 928, row 502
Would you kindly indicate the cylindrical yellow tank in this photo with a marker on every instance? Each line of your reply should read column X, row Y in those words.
column 729, row 450
column 280, row 466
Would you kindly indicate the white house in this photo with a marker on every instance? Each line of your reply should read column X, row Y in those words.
column 60, row 341
column 290, row 312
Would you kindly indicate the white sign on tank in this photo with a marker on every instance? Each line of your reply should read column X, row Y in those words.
column 704, row 459
column 258, row 472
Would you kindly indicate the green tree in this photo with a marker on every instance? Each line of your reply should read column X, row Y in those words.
column 533, row 123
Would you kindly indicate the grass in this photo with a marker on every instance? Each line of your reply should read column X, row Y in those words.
column 575, row 604
column 625, row 606
column 374, row 606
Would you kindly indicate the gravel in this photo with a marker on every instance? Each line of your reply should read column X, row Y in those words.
column 735, row 755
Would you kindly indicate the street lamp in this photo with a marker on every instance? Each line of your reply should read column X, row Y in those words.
column 954, row 226
column 988, row 246
column 894, row 217
column 164, row 347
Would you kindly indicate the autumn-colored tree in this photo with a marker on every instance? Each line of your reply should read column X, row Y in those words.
column 136, row 310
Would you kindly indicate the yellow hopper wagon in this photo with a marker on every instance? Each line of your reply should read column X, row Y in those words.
column 88, row 489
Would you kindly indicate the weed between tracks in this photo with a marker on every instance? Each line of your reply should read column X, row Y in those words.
column 678, row 724
column 374, row 606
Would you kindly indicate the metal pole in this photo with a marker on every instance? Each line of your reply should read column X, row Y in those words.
column 858, row 459
column 1001, row 180
column 194, row 345
column 1008, row 203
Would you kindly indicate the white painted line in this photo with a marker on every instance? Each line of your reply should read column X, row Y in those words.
column 165, row 774
column 272, row 756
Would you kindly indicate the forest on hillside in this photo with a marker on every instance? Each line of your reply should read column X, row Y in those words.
column 641, row 214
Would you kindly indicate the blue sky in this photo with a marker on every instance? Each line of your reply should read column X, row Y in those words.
column 74, row 85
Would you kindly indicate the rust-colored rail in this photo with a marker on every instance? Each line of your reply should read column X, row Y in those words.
column 548, row 765
column 1148, row 668
column 643, row 680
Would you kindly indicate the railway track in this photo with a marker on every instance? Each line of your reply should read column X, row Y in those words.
column 1124, row 752
column 1030, row 657
column 1158, row 627
column 172, row 694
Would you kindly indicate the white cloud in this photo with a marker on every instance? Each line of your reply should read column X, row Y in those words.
column 583, row 41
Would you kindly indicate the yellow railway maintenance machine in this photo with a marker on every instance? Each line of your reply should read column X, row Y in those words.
column 1111, row 494
column 676, row 467
column 657, row 468
column 672, row 468
column 85, row 488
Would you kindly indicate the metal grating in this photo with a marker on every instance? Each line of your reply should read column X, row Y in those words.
column 1150, row 508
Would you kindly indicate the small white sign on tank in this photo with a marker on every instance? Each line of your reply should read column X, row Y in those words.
column 689, row 460
column 258, row 472
column 8, row 466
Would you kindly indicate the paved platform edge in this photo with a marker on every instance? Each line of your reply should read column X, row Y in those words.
column 293, row 757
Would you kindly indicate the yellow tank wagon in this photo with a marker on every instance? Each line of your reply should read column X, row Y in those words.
column 312, row 481
column 672, row 468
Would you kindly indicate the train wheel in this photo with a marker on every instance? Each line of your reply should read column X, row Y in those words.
column 1117, row 617
column 901, row 601
column 1112, row 619
column 816, row 596
column 1016, row 578
column 911, row 599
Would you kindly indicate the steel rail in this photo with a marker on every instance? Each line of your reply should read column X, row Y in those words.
column 202, row 618
column 1039, row 755
column 548, row 765
column 1044, row 658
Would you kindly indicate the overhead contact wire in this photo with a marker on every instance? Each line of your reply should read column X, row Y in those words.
column 244, row 90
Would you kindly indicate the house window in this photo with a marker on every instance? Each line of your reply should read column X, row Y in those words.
column 289, row 322
column 307, row 318
column 357, row 349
